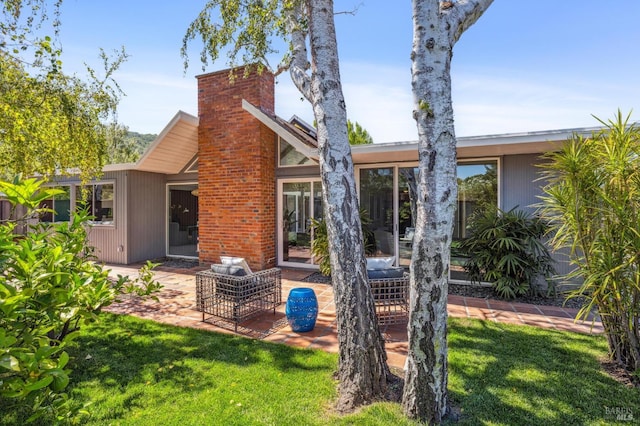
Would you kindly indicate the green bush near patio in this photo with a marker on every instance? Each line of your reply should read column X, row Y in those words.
column 134, row 371
column 506, row 248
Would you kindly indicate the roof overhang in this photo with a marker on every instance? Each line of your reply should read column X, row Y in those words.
column 174, row 148
column 472, row 147
column 171, row 151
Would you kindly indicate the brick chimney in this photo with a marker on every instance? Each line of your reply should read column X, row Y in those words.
column 236, row 169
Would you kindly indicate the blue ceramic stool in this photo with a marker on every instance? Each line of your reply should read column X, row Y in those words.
column 302, row 309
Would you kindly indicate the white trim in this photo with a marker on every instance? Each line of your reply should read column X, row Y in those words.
column 396, row 166
column 189, row 169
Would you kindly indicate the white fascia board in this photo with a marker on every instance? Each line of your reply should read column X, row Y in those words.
column 293, row 140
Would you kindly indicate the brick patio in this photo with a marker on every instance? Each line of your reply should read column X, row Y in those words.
column 176, row 306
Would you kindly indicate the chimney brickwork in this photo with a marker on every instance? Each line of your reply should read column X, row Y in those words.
column 236, row 169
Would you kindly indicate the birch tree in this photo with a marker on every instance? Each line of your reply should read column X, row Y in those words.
column 437, row 26
column 246, row 29
column 50, row 121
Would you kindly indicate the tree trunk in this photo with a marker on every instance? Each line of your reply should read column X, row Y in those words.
column 437, row 26
column 362, row 368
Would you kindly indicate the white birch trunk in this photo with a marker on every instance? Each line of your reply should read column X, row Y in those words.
column 437, row 26
column 362, row 368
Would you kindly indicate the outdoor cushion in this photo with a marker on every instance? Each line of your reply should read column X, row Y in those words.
column 375, row 274
column 237, row 261
column 234, row 270
column 377, row 263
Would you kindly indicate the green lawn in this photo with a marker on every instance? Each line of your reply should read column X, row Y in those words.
column 143, row 373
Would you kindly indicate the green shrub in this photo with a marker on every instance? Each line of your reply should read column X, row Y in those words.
column 49, row 287
column 506, row 249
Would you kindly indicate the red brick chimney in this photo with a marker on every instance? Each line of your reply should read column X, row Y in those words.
column 236, row 169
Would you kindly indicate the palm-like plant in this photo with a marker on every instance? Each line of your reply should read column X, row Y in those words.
column 592, row 197
column 506, row 249
column 320, row 242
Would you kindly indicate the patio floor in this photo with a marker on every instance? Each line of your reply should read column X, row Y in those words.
column 176, row 306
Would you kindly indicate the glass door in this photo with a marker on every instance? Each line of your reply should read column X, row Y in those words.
column 183, row 220
column 477, row 189
column 300, row 202
column 407, row 196
column 377, row 199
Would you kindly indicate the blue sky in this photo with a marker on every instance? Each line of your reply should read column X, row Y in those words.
column 524, row 66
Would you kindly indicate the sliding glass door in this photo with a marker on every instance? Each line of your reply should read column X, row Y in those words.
column 407, row 196
column 301, row 200
column 377, row 199
column 477, row 188
column 388, row 195
column 182, row 231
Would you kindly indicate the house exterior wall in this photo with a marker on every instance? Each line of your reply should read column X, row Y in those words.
column 147, row 216
column 108, row 238
column 520, row 187
column 236, row 169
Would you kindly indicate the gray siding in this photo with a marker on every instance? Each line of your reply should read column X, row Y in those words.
column 146, row 201
column 520, row 187
column 107, row 239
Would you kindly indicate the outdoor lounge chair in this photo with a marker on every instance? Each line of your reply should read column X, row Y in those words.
column 226, row 293
column 390, row 289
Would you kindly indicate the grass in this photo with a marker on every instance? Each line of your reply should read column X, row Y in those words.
column 139, row 372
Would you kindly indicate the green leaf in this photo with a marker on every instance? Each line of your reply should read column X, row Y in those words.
column 60, row 379
column 45, row 381
column 9, row 362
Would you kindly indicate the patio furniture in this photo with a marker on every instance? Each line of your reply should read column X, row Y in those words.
column 390, row 288
column 235, row 296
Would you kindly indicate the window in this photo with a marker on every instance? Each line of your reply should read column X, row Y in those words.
column 99, row 200
column 290, row 157
column 477, row 187
column 59, row 206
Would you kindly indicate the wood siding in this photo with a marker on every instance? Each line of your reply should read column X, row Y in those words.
column 147, row 208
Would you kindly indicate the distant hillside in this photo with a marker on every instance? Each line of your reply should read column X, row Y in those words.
column 128, row 146
column 141, row 140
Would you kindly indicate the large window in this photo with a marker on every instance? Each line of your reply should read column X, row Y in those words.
column 477, row 187
column 99, row 200
column 388, row 195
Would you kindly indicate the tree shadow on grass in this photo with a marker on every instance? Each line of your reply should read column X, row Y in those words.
column 120, row 362
column 504, row 374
